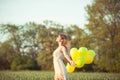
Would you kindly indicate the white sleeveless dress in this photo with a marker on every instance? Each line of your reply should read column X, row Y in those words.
column 59, row 66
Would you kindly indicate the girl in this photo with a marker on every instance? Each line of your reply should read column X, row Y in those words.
column 58, row 56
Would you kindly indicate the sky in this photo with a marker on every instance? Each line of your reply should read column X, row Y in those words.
column 61, row 11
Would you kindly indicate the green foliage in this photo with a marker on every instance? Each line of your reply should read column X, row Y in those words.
column 104, row 29
column 24, row 63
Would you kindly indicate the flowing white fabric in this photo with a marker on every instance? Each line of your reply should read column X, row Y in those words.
column 59, row 66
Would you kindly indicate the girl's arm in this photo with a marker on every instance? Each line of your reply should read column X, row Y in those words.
column 65, row 52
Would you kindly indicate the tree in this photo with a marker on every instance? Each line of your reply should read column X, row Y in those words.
column 78, row 37
column 104, row 27
column 46, row 38
column 13, row 48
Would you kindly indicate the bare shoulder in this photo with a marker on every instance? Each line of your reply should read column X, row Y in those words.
column 63, row 48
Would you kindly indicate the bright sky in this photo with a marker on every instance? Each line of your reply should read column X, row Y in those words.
column 61, row 11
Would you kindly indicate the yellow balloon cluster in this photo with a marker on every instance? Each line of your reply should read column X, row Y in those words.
column 80, row 57
column 70, row 68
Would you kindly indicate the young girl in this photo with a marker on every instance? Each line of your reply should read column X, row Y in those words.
column 59, row 54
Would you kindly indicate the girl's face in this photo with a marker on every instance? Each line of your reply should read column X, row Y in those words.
column 58, row 39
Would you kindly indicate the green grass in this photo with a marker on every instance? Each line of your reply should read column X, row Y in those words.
column 47, row 75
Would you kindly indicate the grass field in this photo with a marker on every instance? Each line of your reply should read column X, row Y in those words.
column 47, row 75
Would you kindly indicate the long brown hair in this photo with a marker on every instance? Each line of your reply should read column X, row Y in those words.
column 65, row 41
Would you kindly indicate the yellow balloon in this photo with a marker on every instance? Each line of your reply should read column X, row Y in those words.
column 70, row 68
column 83, row 51
column 92, row 53
column 72, row 51
column 88, row 59
column 74, row 54
column 80, row 62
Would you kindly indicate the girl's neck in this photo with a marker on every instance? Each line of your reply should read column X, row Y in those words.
column 59, row 44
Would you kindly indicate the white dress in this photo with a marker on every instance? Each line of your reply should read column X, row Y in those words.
column 59, row 66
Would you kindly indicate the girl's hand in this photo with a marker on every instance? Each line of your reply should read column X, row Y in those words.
column 72, row 63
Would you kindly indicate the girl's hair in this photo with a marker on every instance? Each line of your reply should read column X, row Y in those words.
column 64, row 40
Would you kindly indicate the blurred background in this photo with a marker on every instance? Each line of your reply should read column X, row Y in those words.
column 28, row 30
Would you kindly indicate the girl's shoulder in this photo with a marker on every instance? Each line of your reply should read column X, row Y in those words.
column 63, row 48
